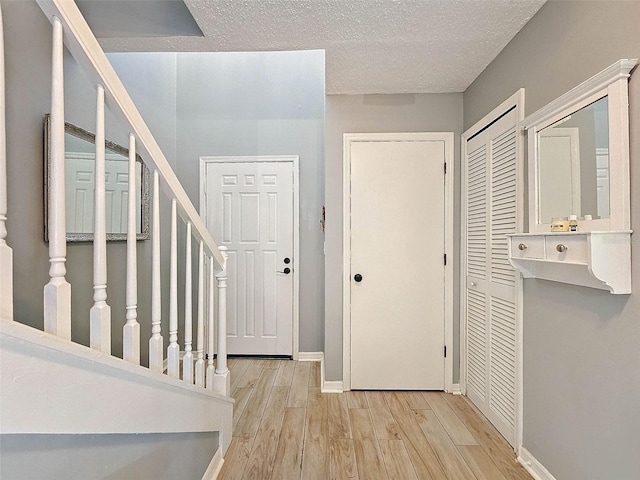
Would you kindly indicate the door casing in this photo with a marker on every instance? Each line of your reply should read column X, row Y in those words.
column 295, row 161
column 348, row 139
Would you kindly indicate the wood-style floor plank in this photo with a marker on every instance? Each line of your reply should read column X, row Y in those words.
column 489, row 438
column 251, row 416
column 480, row 463
column 315, row 459
column 299, row 385
column 250, row 376
column 342, row 459
column 452, row 462
column 324, row 438
column 397, row 460
column 368, row 456
column 314, row 379
column 285, row 374
column 459, row 433
column 241, row 396
column 260, row 461
column 288, row 461
column 235, row 459
column 237, row 371
column 357, row 399
column 339, row 422
column 423, row 457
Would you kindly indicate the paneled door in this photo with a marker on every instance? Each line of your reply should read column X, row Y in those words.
column 397, row 267
column 249, row 206
column 492, row 288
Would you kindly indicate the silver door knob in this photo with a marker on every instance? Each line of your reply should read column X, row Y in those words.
column 522, row 247
column 561, row 248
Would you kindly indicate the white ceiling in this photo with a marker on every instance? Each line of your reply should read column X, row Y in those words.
column 372, row 46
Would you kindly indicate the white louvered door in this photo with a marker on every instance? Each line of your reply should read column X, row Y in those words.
column 491, row 292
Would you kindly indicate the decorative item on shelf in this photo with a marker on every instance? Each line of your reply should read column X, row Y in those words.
column 560, row 224
column 573, row 223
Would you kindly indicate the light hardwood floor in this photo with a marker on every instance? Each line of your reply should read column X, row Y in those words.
column 284, row 428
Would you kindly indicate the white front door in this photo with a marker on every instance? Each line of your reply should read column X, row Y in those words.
column 249, row 208
column 397, row 269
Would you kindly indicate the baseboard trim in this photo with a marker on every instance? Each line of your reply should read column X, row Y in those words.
column 455, row 389
column 311, row 356
column 212, row 471
column 533, row 466
column 331, row 386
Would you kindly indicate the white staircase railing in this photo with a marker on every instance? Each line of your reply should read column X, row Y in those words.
column 70, row 28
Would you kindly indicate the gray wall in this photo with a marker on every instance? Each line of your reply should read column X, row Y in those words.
column 375, row 114
column 581, row 346
column 109, row 456
column 266, row 103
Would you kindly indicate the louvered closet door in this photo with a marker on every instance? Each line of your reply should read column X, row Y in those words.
column 490, row 294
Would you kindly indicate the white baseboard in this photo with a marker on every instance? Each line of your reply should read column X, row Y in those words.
column 455, row 389
column 311, row 356
column 533, row 466
column 331, row 386
column 214, row 466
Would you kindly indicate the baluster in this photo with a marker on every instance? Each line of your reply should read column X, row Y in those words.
column 210, row 330
column 187, row 360
column 222, row 379
column 173, row 351
column 6, row 254
column 100, row 313
column 57, row 293
column 131, row 329
column 155, row 342
column 200, row 331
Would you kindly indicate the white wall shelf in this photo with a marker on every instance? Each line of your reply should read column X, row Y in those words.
column 592, row 259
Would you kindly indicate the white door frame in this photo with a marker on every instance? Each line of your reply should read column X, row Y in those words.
column 514, row 101
column 295, row 161
column 348, row 139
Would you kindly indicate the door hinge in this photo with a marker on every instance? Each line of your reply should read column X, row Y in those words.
column 445, row 258
column 445, row 168
column 445, row 351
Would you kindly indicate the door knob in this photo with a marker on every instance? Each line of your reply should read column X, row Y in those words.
column 287, row 261
column 357, row 277
column 286, row 271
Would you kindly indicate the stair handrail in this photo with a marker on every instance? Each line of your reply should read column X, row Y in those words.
column 81, row 42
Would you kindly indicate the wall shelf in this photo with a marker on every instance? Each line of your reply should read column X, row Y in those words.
column 592, row 259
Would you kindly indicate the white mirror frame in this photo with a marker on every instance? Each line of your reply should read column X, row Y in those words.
column 612, row 82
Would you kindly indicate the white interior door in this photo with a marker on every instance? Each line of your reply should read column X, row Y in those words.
column 250, row 210
column 397, row 271
column 491, row 292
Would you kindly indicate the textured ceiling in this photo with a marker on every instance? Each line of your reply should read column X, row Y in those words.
column 372, row 46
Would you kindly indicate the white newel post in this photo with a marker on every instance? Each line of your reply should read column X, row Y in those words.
column 100, row 313
column 57, row 293
column 199, row 374
column 210, row 329
column 222, row 379
column 131, row 329
column 187, row 360
column 6, row 254
column 173, row 350
column 156, row 359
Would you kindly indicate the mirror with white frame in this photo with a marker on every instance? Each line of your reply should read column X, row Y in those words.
column 578, row 155
column 79, row 186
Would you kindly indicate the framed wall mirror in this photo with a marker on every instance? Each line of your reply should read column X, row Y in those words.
column 578, row 155
column 79, row 186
